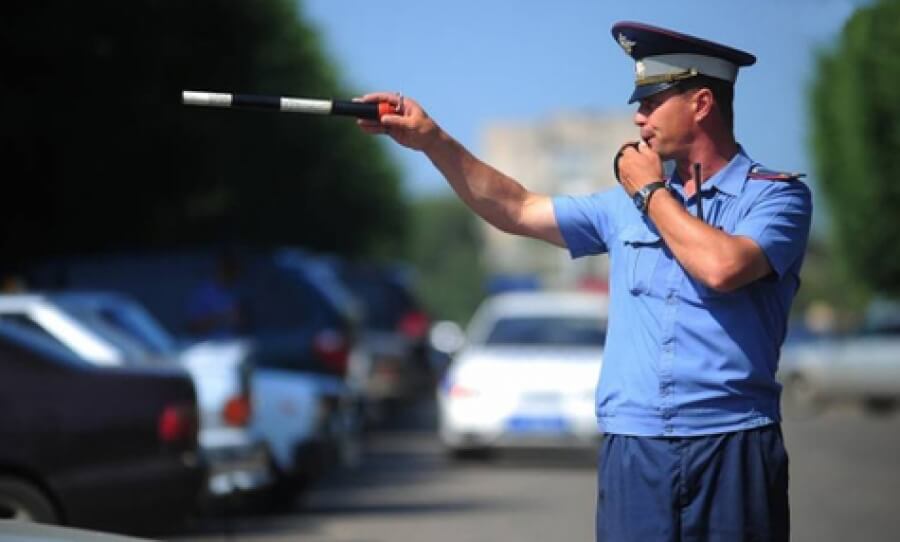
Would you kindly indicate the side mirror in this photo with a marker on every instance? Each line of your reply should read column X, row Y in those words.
column 446, row 337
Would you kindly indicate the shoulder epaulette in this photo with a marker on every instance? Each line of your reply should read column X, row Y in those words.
column 758, row 173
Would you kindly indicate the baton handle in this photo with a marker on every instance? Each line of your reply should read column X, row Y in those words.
column 362, row 110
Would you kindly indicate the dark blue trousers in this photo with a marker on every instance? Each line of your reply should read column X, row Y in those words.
column 727, row 487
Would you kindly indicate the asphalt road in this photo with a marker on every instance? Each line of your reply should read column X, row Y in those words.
column 845, row 475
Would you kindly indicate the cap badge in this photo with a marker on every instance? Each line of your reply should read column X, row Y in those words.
column 626, row 43
column 639, row 69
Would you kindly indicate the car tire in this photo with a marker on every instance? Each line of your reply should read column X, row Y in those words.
column 469, row 454
column 21, row 500
column 879, row 406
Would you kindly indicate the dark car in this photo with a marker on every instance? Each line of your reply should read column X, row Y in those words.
column 237, row 459
column 93, row 447
column 394, row 330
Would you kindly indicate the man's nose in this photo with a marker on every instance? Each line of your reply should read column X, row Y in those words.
column 640, row 119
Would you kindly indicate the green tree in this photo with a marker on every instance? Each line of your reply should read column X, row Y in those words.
column 856, row 141
column 99, row 154
column 444, row 248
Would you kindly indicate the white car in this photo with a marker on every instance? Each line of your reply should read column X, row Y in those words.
column 527, row 374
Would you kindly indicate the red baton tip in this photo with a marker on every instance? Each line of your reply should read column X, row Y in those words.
column 385, row 108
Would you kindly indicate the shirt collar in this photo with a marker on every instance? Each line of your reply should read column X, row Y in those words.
column 731, row 178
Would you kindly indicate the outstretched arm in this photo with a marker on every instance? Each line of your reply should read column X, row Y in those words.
column 495, row 197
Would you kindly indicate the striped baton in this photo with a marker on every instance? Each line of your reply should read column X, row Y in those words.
column 363, row 110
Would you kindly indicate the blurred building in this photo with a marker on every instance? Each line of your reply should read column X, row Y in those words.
column 567, row 153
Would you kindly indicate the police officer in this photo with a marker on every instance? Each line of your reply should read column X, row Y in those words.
column 688, row 399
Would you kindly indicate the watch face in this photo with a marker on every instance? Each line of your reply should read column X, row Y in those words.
column 638, row 199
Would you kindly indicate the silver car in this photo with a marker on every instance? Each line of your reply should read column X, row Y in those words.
column 863, row 368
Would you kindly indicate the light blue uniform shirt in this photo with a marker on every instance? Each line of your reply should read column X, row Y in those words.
column 682, row 359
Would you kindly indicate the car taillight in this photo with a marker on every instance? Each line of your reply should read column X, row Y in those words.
column 237, row 411
column 177, row 423
column 413, row 324
column 458, row 391
column 333, row 349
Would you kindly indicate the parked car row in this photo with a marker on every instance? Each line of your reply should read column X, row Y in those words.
column 90, row 445
column 861, row 366
column 109, row 330
column 394, row 366
column 266, row 344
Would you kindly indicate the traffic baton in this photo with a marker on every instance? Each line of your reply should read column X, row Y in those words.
column 362, row 110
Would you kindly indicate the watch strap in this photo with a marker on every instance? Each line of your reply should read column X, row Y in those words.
column 647, row 191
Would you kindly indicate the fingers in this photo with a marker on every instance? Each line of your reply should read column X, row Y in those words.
column 371, row 126
column 643, row 147
column 383, row 125
column 393, row 98
column 640, row 146
column 629, row 145
column 396, row 120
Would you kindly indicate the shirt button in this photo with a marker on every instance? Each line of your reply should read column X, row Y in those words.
column 671, row 299
column 667, row 414
column 668, row 428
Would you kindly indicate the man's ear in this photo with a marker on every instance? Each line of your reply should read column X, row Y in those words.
column 703, row 102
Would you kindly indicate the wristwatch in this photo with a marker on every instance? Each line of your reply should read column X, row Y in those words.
column 641, row 198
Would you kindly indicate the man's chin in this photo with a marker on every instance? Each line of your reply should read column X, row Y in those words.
column 664, row 154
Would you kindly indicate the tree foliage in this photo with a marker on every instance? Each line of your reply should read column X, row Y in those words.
column 98, row 152
column 445, row 249
column 856, row 141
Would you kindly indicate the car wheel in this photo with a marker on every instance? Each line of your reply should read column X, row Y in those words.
column 21, row 500
column 879, row 406
column 800, row 396
column 469, row 454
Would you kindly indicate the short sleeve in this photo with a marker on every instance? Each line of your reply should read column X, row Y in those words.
column 779, row 222
column 586, row 222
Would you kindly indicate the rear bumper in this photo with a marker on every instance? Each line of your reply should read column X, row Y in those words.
column 397, row 379
column 463, row 425
column 235, row 465
column 130, row 494
column 464, row 440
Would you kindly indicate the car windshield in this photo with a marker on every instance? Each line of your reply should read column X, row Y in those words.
column 128, row 328
column 385, row 303
column 548, row 330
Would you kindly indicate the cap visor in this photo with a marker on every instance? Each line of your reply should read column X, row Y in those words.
column 642, row 91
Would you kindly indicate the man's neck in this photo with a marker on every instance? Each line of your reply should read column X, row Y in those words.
column 711, row 154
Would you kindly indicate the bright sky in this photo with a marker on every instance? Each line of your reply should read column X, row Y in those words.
column 470, row 62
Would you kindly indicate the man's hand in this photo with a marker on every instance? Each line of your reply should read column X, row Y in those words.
column 410, row 126
column 639, row 166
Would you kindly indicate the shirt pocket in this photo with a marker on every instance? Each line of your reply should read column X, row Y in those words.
column 642, row 248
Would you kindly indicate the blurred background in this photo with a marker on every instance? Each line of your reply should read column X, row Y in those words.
column 262, row 320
